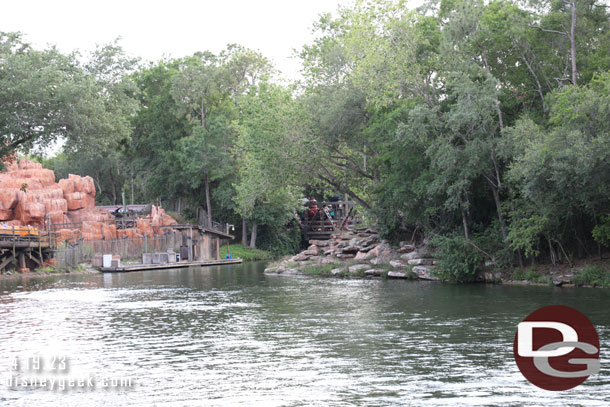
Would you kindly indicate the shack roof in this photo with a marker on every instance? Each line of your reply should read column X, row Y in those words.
column 200, row 229
column 112, row 208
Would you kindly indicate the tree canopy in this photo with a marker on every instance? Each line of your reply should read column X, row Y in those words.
column 482, row 125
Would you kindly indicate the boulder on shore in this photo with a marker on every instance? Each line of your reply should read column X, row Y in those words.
column 424, row 273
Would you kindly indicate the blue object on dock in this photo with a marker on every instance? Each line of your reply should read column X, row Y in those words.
column 229, row 256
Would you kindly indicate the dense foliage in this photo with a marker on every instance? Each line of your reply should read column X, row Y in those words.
column 482, row 123
column 485, row 124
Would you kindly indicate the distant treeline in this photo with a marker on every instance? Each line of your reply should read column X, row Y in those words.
column 482, row 125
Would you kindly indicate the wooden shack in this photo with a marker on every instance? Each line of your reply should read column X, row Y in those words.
column 198, row 243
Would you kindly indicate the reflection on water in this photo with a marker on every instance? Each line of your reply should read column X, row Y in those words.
column 230, row 336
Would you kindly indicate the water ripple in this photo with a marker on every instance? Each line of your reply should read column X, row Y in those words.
column 235, row 337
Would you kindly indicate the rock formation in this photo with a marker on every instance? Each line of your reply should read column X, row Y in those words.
column 29, row 195
column 361, row 253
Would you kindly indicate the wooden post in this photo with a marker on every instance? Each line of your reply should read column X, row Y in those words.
column 21, row 260
column 13, row 237
column 190, row 244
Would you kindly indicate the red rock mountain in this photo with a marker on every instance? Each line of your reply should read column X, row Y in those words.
column 29, row 195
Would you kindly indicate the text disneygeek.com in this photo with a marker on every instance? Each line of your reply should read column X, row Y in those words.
column 37, row 372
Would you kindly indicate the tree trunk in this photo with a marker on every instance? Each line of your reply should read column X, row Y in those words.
column 573, row 43
column 538, row 85
column 253, row 235
column 244, row 232
column 520, row 257
column 465, row 223
column 97, row 179
column 208, row 203
column 496, row 195
column 113, row 187
column 552, row 251
column 364, row 163
column 203, row 121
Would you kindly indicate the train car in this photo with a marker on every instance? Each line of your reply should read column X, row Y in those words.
column 18, row 231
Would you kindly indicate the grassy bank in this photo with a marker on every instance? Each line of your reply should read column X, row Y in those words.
column 538, row 276
column 595, row 276
column 245, row 253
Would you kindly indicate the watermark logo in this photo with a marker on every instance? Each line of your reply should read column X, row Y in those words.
column 556, row 348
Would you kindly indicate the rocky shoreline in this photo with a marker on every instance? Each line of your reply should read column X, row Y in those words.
column 361, row 253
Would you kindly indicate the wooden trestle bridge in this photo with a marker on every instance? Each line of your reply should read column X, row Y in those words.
column 24, row 248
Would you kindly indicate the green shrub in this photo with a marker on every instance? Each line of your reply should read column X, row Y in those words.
column 47, row 269
column 280, row 241
column 245, row 253
column 321, row 270
column 593, row 276
column 490, row 240
column 533, row 275
column 458, row 259
column 519, row 274
column 601, row 232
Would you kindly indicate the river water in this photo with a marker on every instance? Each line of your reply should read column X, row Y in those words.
column 232, row 336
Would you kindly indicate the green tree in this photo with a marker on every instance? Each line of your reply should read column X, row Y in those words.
column 269, row 158
column 561, row 174
column 104, row 157
column 46, row 96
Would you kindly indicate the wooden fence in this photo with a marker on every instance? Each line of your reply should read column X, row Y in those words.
column 69, row 255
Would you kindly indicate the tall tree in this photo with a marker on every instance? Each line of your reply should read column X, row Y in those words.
column 46, row 96
column 269, row 158
column 198, row 89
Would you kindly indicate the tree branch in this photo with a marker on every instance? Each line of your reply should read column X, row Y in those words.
column 549, row 31
column 329, row 179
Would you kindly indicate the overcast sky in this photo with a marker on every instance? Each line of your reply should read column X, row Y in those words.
column 153, row 29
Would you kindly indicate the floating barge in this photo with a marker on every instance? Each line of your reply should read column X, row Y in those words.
column 183, row 264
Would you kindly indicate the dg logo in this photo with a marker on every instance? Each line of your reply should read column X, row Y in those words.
column 556, row 348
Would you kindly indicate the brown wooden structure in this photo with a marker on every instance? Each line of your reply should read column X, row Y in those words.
column 199, row 243
column 319, row 220
column 24, row 252
column 149, row 267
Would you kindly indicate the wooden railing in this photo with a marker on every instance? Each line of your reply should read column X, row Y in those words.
column 26, row 236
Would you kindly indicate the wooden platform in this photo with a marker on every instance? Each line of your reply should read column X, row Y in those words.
column 22, row 243
column 182, row 264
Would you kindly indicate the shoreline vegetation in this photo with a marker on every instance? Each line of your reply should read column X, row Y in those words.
column 362, row 254
column 587, row 276
column 588, row 273
column 245, row 253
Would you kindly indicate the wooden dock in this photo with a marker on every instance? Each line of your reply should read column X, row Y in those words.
column 182, row 264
